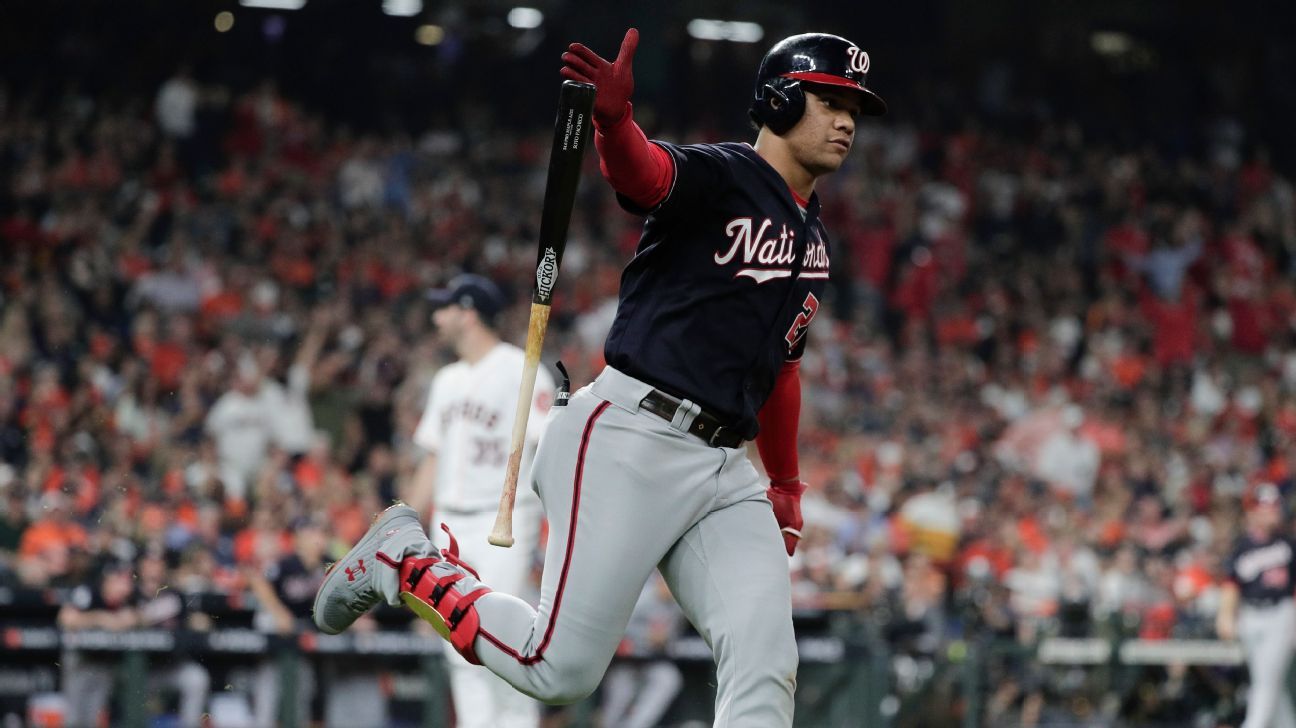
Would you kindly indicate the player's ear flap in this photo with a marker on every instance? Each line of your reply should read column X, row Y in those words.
column 775, row 98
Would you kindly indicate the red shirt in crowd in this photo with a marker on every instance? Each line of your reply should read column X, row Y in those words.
column 1174, row 326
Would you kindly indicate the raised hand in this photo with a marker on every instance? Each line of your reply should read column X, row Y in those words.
column 614, row 80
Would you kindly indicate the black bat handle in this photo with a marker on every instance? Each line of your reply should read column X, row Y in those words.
column 572, row 134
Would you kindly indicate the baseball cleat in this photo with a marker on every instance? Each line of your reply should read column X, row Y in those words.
column 369, row 573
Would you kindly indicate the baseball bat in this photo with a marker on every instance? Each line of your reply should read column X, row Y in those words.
column 571, row 136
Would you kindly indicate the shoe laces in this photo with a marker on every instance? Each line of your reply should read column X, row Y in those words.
column 451, row 555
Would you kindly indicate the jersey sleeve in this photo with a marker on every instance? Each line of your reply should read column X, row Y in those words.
column 428, row 433
column 701, row 171
column 542, row 400
column 636, row 168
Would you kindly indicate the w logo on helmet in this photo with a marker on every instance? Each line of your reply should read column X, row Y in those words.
column 858, row 60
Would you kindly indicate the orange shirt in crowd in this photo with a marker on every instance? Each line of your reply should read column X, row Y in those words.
column 47, row 533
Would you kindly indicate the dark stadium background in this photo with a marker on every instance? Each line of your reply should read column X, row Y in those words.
column 347, row 58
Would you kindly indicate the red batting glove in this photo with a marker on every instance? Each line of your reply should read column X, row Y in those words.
column 614, row 81
column 786, row 497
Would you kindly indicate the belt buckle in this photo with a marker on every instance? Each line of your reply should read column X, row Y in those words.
column 711, row 441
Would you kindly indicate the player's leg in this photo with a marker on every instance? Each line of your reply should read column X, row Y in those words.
column 619, row 487
column 193, row 683
column 353, row 695
column 729, row 573
column 265, row 693
column 618, row 691
column 1284, row 712
column 268, row 693
column 87, row 687
column 482, row 699
column 1266, row 663
column 470, row 691
column 513, row 709
column 660, row 683
column 597, row 560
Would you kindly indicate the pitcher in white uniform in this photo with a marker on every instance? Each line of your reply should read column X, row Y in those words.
column 465, row 431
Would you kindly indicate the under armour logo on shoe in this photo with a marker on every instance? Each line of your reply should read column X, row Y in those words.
column 351, row 575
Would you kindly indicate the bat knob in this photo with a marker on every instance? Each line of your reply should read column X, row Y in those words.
column 502, row 541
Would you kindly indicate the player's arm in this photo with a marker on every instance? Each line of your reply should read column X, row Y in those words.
column 265, row 595
column 779, row 420
column 72, row 618
column 636, row 168
column 1226, row 617
column 420, row 491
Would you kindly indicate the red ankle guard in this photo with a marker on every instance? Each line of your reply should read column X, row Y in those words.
column 454, row 607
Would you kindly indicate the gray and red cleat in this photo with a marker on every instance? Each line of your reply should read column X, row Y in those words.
column 370, row 572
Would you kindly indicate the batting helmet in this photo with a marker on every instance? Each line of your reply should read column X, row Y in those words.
column 814, row 58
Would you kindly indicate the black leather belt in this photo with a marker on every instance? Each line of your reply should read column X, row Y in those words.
column 705, row 426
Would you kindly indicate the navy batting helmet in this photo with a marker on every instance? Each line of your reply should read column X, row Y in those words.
column 813, row 58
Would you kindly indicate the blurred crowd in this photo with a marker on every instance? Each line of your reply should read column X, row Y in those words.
column 1053, row 366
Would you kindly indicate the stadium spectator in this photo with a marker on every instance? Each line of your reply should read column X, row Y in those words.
column 110, row 604
column 177, row 104
column 284, row 592
column 1068, row 461
column 46, row 546
column 163, row 607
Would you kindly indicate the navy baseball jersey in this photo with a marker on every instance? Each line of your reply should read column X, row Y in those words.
column 727, row 276
column 295, row 583
column 1264, row 571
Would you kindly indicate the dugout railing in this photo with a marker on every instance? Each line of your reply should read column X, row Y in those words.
column 849, row 676
column 833, row 686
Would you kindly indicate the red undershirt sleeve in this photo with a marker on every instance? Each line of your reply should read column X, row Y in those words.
column 636, row 168
column 779, row 420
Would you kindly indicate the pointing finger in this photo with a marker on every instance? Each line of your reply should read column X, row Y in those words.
column 625, row 57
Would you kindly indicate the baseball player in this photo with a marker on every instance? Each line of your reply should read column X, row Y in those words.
column 646, row 467
column 1262, row 576
column 465, row 431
